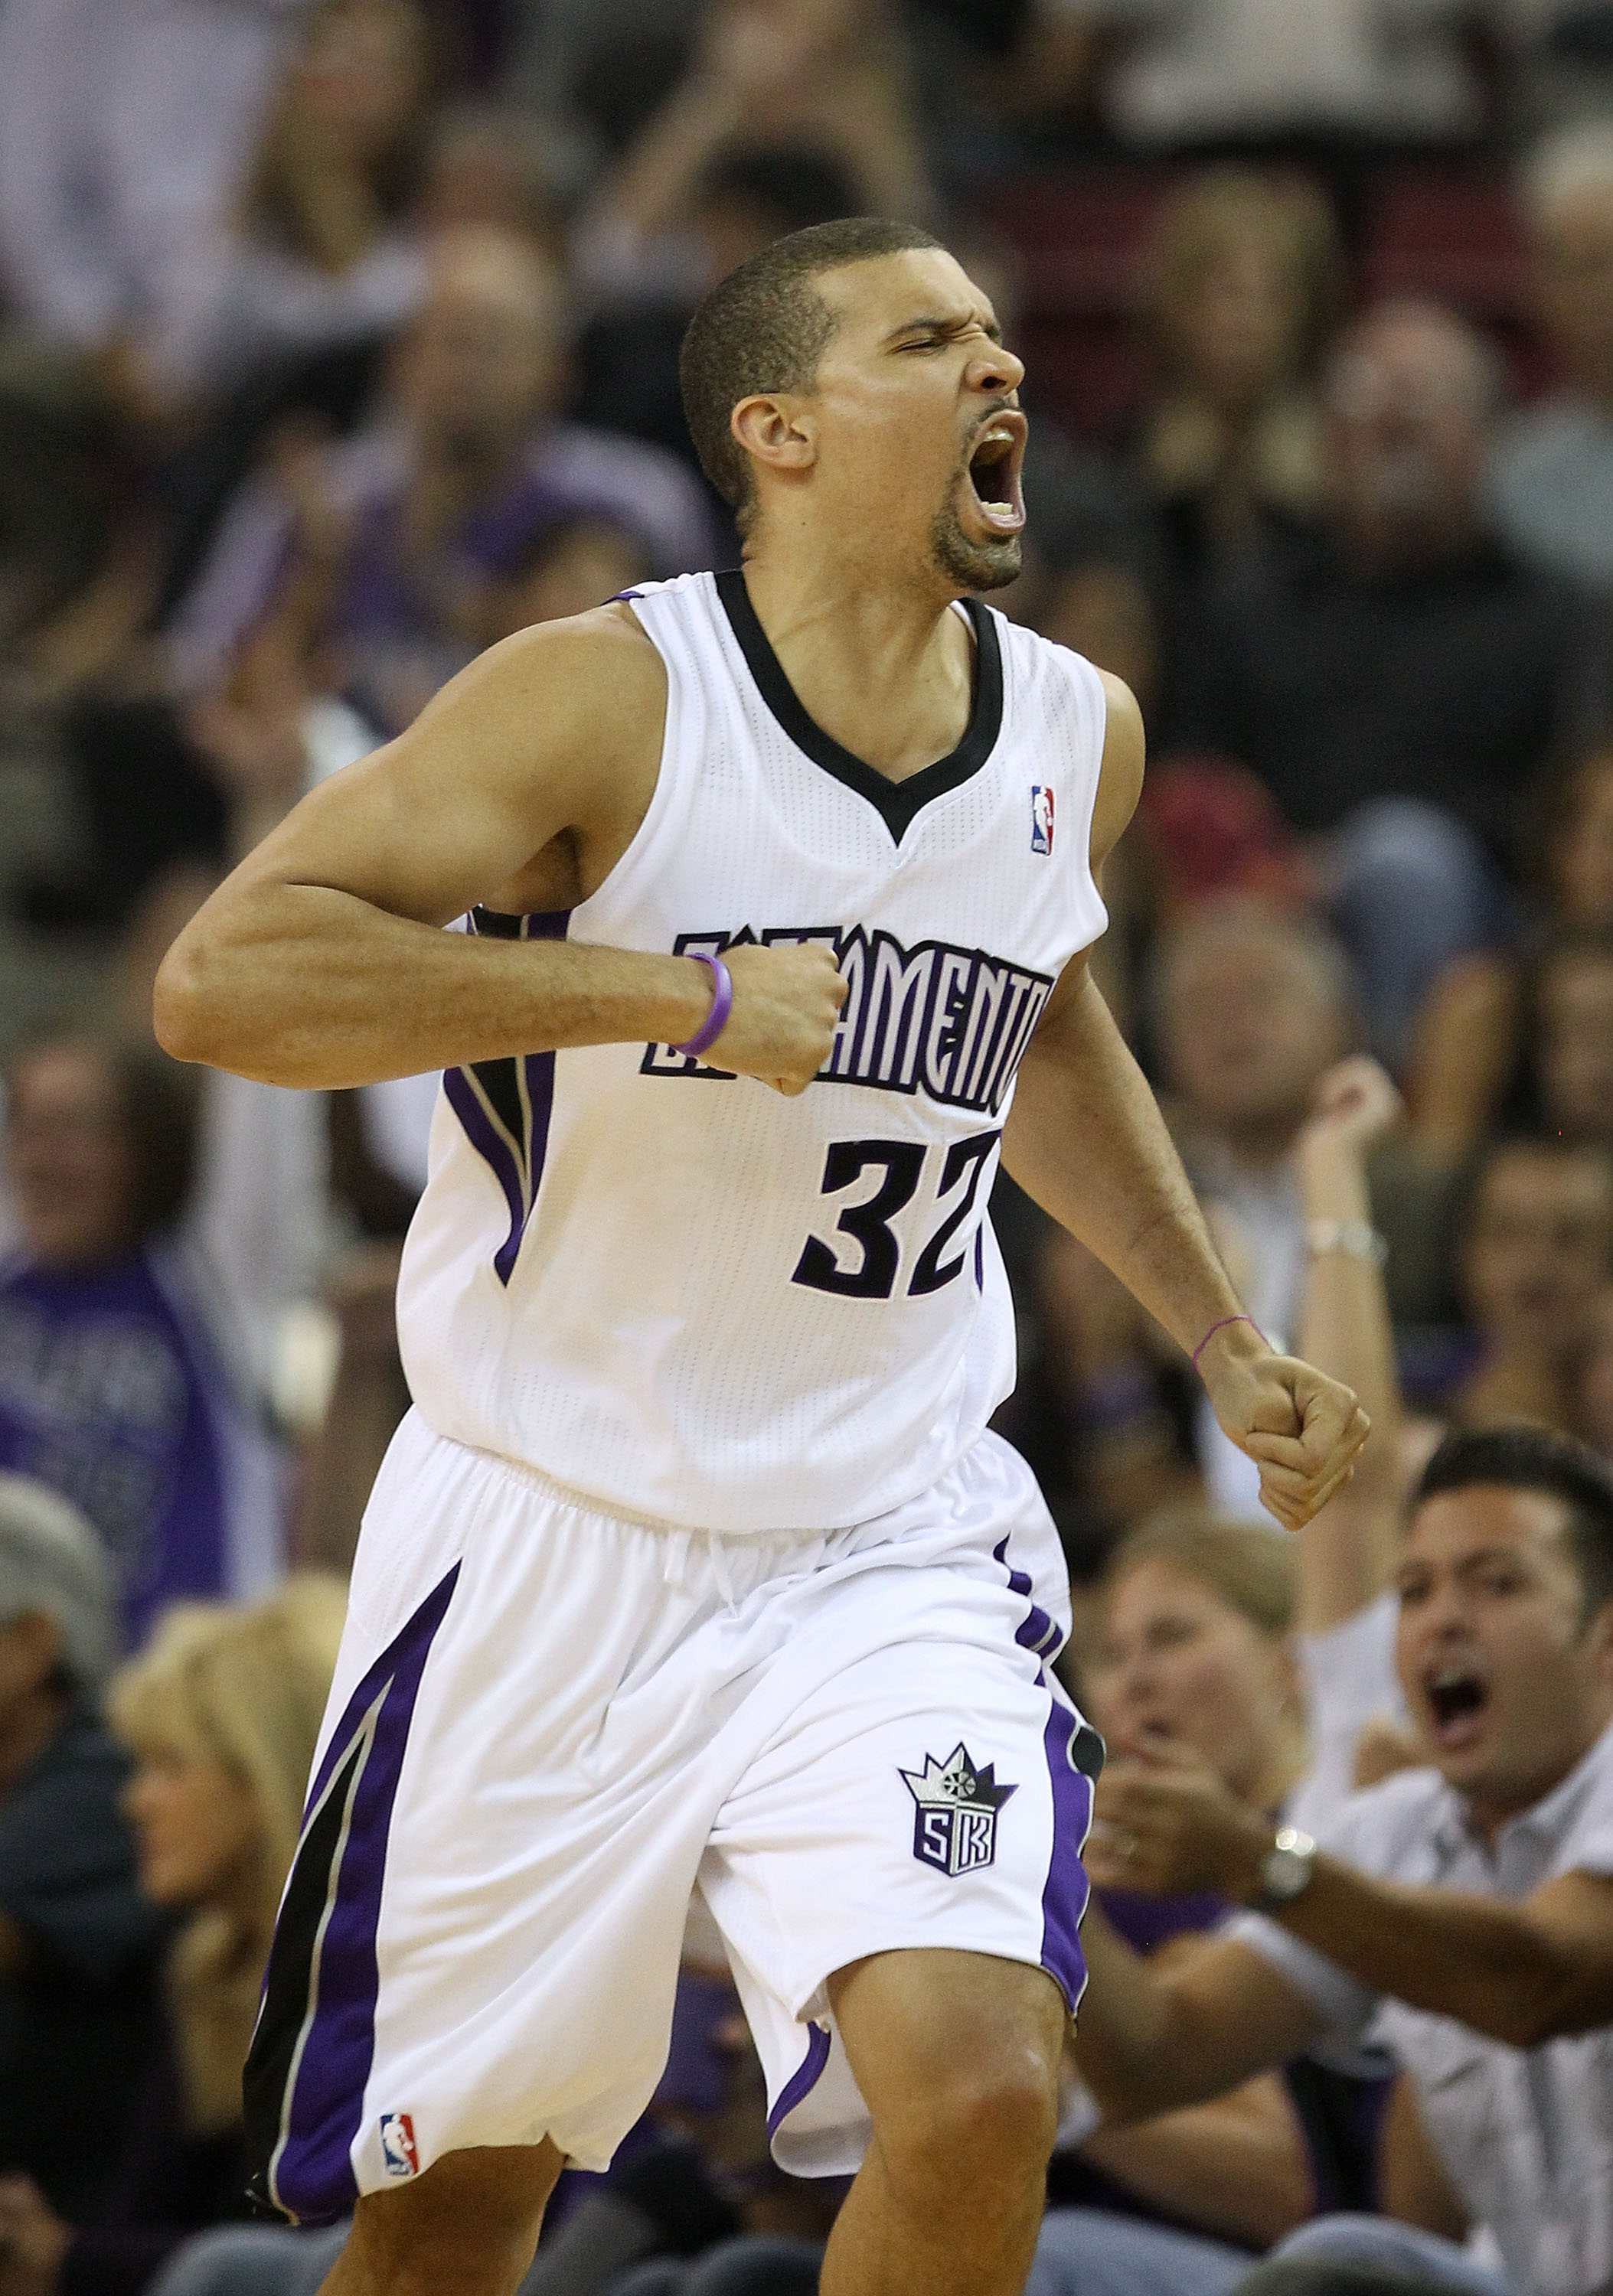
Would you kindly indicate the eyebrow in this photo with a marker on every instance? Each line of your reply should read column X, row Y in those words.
column 1480, row 1558
column 943, row 324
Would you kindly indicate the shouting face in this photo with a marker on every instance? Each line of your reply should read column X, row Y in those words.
column 1509, row 1680
column 909, row 443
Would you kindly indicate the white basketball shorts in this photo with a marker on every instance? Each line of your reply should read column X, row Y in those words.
column 547, row 1726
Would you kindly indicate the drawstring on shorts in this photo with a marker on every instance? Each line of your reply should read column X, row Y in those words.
column 675, row 1565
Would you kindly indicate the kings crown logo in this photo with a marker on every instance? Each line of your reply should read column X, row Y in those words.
column 955, row 1821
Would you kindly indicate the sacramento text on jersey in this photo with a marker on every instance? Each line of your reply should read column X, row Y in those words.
column 950, row 1022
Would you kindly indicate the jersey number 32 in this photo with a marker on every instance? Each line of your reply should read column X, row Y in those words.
column 871, row 1272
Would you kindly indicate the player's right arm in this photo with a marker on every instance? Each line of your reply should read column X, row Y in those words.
column 320, row 961
column 1149, row 2039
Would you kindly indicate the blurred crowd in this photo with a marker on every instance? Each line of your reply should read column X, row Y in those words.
column 338, row 341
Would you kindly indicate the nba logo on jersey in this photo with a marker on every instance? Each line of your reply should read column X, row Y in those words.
column 955, row 1821
column 399, row 2155
column 1042, row 818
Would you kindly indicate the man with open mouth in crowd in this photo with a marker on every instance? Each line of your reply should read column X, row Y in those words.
column 1463, row 1909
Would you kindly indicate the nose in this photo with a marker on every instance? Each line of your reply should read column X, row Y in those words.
column 996, row 370
column 1131, row 1682
column 1443, row 1619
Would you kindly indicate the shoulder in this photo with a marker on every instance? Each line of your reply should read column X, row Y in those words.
column 1382, row 1827
column 595, row 670
column 573, row 709
column 1061, row 689
column 1097, row 711
column 1587, row 1836
column 1120, row 777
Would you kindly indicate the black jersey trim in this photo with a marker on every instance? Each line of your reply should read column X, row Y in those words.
column 898, row 803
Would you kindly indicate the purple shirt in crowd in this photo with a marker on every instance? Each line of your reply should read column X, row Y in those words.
column 110, row 1392
column 392, row 617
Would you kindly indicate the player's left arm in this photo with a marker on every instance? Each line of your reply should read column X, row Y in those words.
column 1085, row 1139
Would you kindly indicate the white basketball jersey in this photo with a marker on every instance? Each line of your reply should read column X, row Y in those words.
column 674, row 1291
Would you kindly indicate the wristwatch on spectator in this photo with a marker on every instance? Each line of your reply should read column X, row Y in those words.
column 1286, row 1869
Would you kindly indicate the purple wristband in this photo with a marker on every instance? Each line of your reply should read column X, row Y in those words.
column 722, row 1004
column 1222, row 1326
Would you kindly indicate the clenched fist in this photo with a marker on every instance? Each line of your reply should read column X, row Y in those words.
column 1302, row 1429
column 787, row 1002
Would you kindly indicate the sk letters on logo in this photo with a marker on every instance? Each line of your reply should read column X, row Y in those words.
column 1042, row 818
column 399, row 2155
column 955, row 1822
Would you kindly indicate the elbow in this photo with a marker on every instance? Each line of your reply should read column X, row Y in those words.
column 185, row 1002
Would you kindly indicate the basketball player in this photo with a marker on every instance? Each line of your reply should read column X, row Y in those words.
column 694, row 1562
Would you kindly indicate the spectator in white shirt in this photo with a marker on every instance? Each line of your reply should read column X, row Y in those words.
column 1249, row 1008
column 1201, row 70
column 1463, row 1910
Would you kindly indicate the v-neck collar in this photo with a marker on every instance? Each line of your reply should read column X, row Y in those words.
column 898, row 803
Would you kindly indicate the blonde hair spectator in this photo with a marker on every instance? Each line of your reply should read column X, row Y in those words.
column 241, row 1691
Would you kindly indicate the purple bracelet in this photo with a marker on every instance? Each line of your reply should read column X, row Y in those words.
column 1222, row 1326
column 722, row 1005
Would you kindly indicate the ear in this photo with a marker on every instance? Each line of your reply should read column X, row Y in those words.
column 776, row 431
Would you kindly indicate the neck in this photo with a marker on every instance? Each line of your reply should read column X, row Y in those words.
column 26, row 1731
column 1489, row 1808
column 883, row 666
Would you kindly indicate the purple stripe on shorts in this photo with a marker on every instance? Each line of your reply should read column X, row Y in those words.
column 1037, row 1632
column 1064, row 1893
column 312, row 2175
column 805, row 2078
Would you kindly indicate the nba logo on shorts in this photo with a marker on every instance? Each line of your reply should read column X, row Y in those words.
column 955, row 1821
column 1042, row 818
column 398, row 2154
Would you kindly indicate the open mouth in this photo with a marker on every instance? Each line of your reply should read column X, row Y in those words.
column 1458, row 1698
column 994, row 467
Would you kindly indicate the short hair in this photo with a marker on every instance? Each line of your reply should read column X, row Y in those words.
column 1538, row 1459
column 52, row 1565
column 1249, row 1566
column 765, row 328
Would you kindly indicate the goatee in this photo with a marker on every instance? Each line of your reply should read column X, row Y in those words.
column 973, row 565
